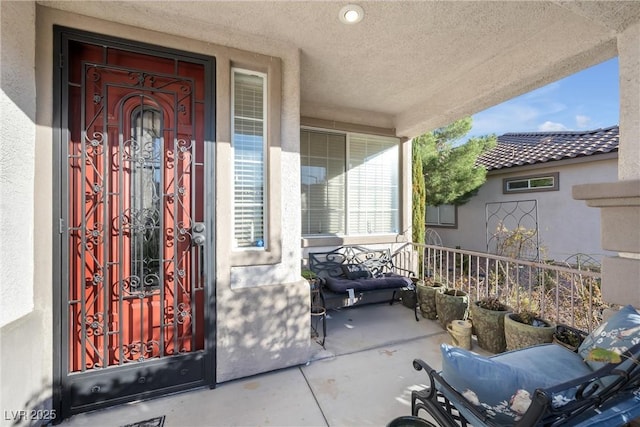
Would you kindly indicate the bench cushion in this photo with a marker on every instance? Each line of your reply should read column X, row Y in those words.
column 388, row 281
column 502, row 386
column 619, row 333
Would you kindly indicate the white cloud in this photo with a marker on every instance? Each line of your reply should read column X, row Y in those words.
column 550, row 126
column 583, row 121
column 520, row 114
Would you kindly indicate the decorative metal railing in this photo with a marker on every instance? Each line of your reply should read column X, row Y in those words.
column 558, row 292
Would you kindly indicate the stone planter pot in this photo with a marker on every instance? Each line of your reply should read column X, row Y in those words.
column 568, row 337
column 452, row 304
column 427, row 298
column 519, row 335
column 488, row 325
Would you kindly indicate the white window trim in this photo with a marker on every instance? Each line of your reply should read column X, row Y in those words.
column 265, row 145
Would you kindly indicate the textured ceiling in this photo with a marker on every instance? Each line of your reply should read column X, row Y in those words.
column 418, row 64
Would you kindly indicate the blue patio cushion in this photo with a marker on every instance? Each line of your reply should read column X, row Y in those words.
column 502, row 386
column 620, row 411
column 388, row 281
column 619, row 333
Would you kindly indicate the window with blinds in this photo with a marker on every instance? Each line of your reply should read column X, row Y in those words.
column 349, row 183
column 249, row 145
column 323, row 159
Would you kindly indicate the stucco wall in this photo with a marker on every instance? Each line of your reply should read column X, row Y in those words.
column 242, row 313
column 17, row 135
column 25, row 350
column 566, row 226
column 629, row 54
column 261, row 325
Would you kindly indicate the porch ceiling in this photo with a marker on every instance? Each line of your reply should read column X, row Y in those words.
column 409, row 65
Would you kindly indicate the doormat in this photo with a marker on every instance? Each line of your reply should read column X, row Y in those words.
column 151, row 422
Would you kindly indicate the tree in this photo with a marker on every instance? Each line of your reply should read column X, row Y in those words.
column 450, row 172
column 418, row 204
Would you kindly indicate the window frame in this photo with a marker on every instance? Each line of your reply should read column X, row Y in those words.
column 348, row 235
column 528, row 178
column 271, row 253
column 439, row 224
column 265, row 159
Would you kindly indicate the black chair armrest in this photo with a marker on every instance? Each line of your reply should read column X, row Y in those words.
column 439, row 406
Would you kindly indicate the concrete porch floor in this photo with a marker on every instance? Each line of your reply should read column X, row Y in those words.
column 363, row 377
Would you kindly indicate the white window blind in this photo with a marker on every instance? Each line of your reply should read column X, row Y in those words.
column 249, row 145
column 372, row 191
column 350, row 183
column 323, row 182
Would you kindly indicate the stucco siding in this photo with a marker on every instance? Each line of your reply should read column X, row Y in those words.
column 24, row 351
column 566, row 226
column 265, row 282
column 261, row 325
column 17, row 136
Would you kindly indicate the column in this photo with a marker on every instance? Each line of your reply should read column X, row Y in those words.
column 619, row 202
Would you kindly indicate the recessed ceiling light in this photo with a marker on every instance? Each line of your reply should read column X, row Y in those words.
column 351, row 14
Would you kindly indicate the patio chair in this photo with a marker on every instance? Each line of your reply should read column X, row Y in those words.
column 546, row 385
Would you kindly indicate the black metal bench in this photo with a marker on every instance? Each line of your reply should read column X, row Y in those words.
column 374, row 277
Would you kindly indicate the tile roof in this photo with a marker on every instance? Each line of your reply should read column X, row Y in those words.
column 519, row 149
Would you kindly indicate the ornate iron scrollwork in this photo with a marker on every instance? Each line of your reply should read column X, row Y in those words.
column 139, row 351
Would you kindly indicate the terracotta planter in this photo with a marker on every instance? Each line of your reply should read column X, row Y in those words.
column 519, row 335
column 488, row 326
column 451, row 304
column 427, row 298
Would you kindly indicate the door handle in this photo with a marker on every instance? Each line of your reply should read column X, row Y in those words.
column 198, row 238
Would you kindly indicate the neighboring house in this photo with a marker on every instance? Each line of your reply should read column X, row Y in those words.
column 529, row 182
column 165, row 166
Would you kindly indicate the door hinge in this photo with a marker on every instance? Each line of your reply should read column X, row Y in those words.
column 61, row 60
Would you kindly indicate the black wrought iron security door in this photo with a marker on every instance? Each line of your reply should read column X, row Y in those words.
column 136, row 317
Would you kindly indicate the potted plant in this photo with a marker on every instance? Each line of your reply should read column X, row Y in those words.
column 427, row 297
column 311, row 277
column 314, row 284
column 408, row 295
column 451, row 304
column 525, row 328
column 487, row 317
column 568, row 337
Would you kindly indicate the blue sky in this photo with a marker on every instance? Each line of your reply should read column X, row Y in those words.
column 586, row 100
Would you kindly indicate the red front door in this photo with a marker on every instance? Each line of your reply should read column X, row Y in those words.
column 134, row 317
